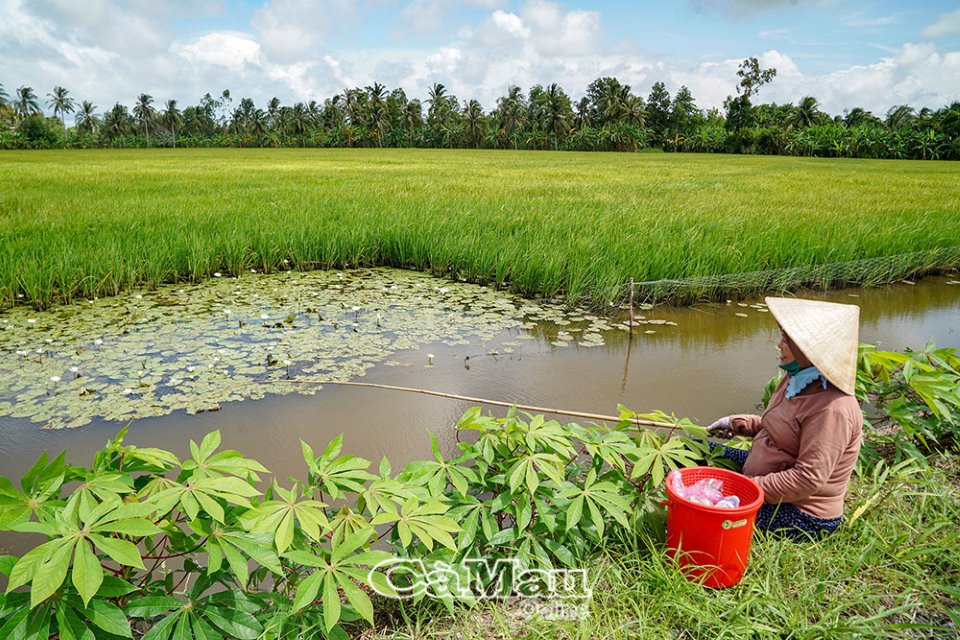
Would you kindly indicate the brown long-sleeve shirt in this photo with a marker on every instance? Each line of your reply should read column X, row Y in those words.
column 804, row 447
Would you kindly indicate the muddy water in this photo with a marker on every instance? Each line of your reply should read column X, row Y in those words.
column 713, row 362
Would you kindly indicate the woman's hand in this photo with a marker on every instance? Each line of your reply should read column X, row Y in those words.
column 721, row 428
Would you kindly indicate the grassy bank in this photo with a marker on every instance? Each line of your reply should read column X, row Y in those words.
column 75, row 223
column 891, row 571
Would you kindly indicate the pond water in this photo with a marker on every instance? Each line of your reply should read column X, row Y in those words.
column 176, row 377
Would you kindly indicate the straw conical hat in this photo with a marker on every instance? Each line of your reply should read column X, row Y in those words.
column 826, row 332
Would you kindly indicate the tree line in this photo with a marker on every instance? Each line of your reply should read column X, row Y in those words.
column 610, row 117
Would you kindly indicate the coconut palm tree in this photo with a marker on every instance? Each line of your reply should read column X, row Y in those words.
column 299, row 121
column 273, row 110
column 3, row 97
column 172, row 119
column 806, row 113
column 512, row 113
column 87, row 119
column 473, row 118
column 259, row 123
column 26, row 103
column 116, row 122
column 900, row 116
column 412, row 119
column 556, row 112
column 144, row 112
column 61, row 103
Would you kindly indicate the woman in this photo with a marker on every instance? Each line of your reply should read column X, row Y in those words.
column 806, row 443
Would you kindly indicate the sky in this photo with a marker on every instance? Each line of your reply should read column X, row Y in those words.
column 869, row 54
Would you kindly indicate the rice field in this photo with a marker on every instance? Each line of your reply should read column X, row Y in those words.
column 86, row 223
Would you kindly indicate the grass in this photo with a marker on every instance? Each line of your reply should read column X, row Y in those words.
column 891, row 570
column 84, row 223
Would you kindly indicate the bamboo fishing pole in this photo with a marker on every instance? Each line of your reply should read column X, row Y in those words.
column 441, row 394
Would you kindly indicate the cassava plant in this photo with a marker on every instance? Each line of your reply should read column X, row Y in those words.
column 143, row 544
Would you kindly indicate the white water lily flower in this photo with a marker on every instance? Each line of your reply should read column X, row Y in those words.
column 49, row 340
column 227, row 311
column 19, row 295
column 32, row 320
column 191, row 369
column 98, row 342
column 55, row 378
column 287, row 362
column 217, row 274
column 264, row 316
column 285, row 261
column 74, row 369
column 253, row 270
column 39, row 350
column 355, row 308
column 138, row 297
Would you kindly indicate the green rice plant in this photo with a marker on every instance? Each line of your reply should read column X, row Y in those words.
column 581, row 225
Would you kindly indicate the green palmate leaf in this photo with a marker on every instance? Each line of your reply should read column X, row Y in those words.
column 307, row 590
column 25, row 568
column 331, row 601
column 87, row 573
column 575, row 512
column 183, row 631
column 134, row 527
column 120, row 551
column 108, row 617
column 114, row 587
column 163, row 629
column 151, row 606
column 71, row 627
column 356, row 597
column 16, row 625
column 277, row 517
column 426, row 521
column 238, row 564
column 203, row 631
column 238, row 624
column 50, row 573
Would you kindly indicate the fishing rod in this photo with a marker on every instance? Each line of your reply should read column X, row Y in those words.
column 441, row 394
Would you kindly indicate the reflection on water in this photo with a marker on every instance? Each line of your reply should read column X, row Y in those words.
column 713, row 362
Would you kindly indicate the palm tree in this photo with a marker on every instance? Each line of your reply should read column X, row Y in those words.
column 412, row 119
column 512, row 113
column 172, row 119
column 87, row 120
column 259, row 123
column 3, row 97
column 26, row 103
column 806, row 113
column 273, row 110
column 144, row 112
column 633, row 110
column 899, row 116
column 116, row 122
column 299, row 120
column 61, row 104
column 556, row 112
column 473, row 117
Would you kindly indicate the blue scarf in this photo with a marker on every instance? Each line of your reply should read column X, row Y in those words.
column 801, row 379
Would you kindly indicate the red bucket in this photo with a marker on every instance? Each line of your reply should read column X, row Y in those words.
column 709, row 543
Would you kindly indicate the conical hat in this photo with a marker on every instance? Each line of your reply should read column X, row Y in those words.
column 826, row 332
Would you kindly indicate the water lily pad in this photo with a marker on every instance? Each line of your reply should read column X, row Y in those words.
column 193, row 348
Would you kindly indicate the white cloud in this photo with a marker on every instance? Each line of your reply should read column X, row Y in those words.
column 558, row 32
column 235, row 51
column 947, row 24
column 288, row 30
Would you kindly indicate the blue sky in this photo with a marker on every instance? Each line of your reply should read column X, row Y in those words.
column 845, row 53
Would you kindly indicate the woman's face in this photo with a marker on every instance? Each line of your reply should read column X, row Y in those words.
column 789, row 352
column 783, row 347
